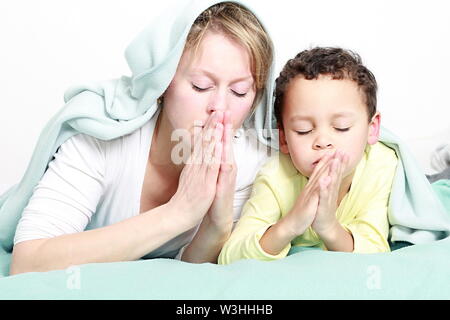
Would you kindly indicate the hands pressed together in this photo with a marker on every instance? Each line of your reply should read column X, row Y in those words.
column 207, row 182
column 317, row 203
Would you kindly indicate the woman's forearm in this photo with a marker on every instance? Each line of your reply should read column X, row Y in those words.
column 124, row 241
column 207, row 243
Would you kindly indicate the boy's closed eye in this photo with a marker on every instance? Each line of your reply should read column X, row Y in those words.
column 342, row 129
column 305, row 132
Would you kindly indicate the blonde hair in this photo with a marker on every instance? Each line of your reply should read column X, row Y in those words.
column 242, row 26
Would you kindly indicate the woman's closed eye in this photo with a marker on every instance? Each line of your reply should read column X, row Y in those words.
column 238, row 94
column 199, row 88
column 203, row 89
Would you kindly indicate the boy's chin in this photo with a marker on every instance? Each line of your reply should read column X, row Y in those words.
column 305, row 173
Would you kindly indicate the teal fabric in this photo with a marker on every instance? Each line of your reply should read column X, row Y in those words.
column 414, row 272
column 416, row 212
column 114, row 108
column 442, row 189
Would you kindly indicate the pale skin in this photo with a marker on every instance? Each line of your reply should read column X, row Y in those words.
column 325, row 131
column 214, row 87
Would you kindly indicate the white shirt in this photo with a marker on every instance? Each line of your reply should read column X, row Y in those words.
column 93, row 183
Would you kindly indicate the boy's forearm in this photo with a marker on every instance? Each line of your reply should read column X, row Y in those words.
column 337, row 238
column 277, row 237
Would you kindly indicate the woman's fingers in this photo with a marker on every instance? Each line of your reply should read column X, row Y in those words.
column 228, row 152
column 203, row 139
column 210, row 154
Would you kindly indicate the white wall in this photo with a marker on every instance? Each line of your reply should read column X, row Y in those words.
column 49, row 45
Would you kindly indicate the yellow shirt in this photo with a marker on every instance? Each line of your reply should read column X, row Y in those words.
column 363, row 211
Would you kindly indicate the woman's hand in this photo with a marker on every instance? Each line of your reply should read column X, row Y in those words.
column 220, row 214
column 218, row 222
column 197, row 185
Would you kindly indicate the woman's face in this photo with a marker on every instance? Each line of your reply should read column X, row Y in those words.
column 217, row 77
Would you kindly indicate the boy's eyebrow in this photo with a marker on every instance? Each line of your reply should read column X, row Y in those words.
column 300, row 118
column 343, row 115
column 334, row 116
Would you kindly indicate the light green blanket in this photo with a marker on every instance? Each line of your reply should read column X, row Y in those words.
column 414, row 272
column 114, row 108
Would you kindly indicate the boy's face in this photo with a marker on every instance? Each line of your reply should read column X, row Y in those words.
column 324, row 115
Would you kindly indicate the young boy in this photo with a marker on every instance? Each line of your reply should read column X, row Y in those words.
column 330, row 185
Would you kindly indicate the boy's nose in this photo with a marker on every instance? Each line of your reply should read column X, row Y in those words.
column 323, row 146
column 320, row 144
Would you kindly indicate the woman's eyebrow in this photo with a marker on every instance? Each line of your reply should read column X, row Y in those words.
column 212, row 76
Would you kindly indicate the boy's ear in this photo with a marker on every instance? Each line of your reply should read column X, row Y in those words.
column 283, row 143
column 374, row 129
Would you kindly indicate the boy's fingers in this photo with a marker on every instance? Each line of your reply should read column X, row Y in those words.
column 322, row 163
column 324, row 182
column 318, row 172
column 335, row 177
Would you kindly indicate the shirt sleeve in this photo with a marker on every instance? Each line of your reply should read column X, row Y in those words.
column 259, row 213
column 370, row 227
column 66, row 197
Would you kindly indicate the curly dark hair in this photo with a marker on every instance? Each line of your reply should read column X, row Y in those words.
column 336, row 62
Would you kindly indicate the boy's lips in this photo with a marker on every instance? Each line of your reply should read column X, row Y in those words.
column 317, row 161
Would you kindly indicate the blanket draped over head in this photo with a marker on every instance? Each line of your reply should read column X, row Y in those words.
column 111, row 109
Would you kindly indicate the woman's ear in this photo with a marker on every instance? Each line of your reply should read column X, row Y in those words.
column 283, row 142
column 374, row 129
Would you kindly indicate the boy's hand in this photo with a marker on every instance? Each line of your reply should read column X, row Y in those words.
column 304, row 211
column 329, row 186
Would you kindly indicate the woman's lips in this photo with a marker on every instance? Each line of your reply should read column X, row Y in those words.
column 199, row 124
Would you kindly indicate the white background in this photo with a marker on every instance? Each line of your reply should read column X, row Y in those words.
column 48, row 45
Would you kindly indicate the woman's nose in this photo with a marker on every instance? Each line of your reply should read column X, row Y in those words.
column 217, row 103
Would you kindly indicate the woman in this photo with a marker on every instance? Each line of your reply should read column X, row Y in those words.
column 105, row 200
